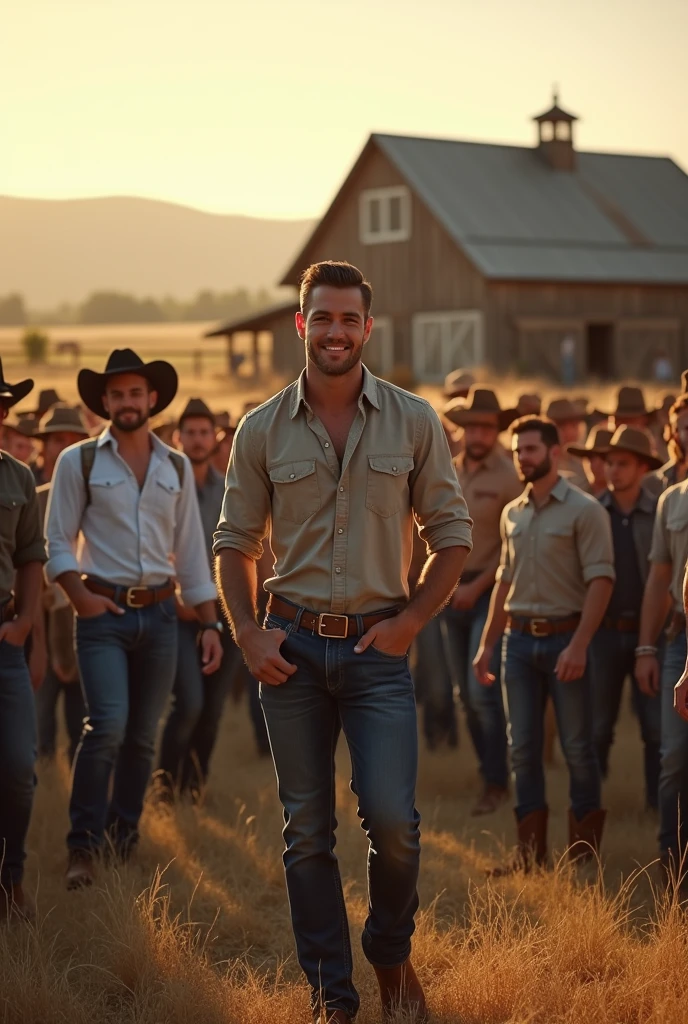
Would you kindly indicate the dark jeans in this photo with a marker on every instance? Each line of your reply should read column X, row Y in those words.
column 528, row 673
column 673, row 775
column 17, row 758
column 198, row 701
column 433, row 683
column 127, row 664
column 370, row 697
column 47, row 698
column 612, row 660
column 483, row 705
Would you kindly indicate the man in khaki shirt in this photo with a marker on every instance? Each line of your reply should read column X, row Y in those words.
column 553, row 586
column 489, row 481
column 336, row 467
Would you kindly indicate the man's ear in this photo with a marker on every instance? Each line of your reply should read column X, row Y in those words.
column 152, row 399
column 300, row 321
column 367, row 328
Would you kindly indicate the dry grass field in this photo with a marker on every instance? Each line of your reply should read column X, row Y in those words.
column 196, row 931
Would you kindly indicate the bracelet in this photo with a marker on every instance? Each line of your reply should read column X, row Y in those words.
column 647, row 649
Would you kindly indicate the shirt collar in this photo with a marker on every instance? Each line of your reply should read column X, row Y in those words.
column 159, row 447
column 369, row 390
column 491, row 461
column 645, row 502
column 559, row 491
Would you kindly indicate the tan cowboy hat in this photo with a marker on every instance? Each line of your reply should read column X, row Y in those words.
column 161, row 376
column 481, row 407
column 596, row 444
column 458, row 383
column 630, row 401
column 638, row 442
column 562, row 410
column 62, row 419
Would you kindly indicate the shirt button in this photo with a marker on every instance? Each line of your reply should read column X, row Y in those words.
column 394, row 469
column 327, row 444
column 341, row 490
column 292, row 476
column 337, row 569
column 340, row 530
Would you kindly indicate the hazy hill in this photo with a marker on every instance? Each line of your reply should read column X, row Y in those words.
column 61, row 250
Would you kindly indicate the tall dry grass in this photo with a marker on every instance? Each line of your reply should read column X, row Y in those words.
column 196, row 931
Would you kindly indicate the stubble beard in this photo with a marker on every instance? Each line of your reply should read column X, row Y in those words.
column 537, row 472
column 330, row 369
column 130, row 426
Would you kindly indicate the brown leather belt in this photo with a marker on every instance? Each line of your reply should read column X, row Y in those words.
column 538, row 627
column 7, row 611
column 333, row 627
column 621, row 625
column 131, row 597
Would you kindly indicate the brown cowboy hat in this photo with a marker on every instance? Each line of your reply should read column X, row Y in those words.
column 481, row 407
column 458, row 383
column 62, row 419
column 638, row 442
column 528, row 405
column 596, row 444
column 25, row 425
column 562, row 410
column 630, row 401
column 197, row 407
column 161, row 376
column 10, row 394
column 47, row 398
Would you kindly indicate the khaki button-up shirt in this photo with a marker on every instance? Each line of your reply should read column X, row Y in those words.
column 550, row 554
column 573, row 470
column 21, row 530
column 342, row 536
column 487, row 489
column 670, row 537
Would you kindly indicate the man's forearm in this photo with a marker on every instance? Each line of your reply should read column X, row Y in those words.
column 237, row 585
column 74, row 587
column 496, row 616
column 206, row 611
column 656, row 605
column 595, row 605
column 437, row 583
column 27, row 593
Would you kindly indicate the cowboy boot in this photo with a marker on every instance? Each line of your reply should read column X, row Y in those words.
column 400, row 989
column 532, row 845
column 585, row 836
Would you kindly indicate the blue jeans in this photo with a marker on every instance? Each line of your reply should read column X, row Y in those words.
column 528, row 672
column 483, row 705
column 673, row 774
column 127, row 664
column 47, row 698
column 370, row 697
column 612, row 660
column 17, row 759
column 198, row 701
column 434, row 684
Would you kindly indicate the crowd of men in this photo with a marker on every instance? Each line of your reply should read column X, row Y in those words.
column 573, row 585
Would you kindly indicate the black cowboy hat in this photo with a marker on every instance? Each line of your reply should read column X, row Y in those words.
column 196, row 407
column 161, row 376
column 10, row 394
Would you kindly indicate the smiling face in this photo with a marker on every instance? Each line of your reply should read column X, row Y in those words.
column 128, row 401
column 335, row 328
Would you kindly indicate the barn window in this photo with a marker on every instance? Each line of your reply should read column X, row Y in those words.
column 443, row 342
column 378, row 355
column 385, row 215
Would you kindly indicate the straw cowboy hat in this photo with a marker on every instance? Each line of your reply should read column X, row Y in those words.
column 596, row 444
column 161, row 376
column 637, row 442
column 630, row 401
column 62, row 419
column 197, row 407
column 480, row 408
column 563, row 410
column 458, row 383
column 10, row 394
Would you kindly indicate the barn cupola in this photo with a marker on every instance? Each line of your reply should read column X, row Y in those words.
column 555, row 137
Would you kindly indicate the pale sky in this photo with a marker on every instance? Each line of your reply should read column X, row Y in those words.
column 261, row 107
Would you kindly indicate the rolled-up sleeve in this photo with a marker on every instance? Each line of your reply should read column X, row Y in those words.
column 65, row 510
column 438, row 504
column 505, row 572
column 30, row 543
column 247, row 504
column 595, row 544
column 190, row 557
column 660, row 551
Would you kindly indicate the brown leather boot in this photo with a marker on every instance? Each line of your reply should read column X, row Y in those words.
column 400, row 989
column 532, row 845
column 490, row 800
column 585, row 836
column 14, row 905
column 81, row 869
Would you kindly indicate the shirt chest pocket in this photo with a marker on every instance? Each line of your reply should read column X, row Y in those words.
column 387, row 489
column 107, row 492
column 296, row 492
column 557, row 540
column 11, row 506
column 166, row 494
column 677, row 525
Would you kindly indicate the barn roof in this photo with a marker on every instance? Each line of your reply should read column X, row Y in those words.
column 615, row 218
column 260, row 320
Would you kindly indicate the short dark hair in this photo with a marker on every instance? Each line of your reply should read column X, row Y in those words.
column 547, row 429
column 336, row 274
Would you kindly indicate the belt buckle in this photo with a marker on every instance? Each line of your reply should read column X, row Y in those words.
column 322, row 626
column 131, row 596
column 535, row 628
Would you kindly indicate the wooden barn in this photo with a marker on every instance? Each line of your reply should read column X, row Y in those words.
column 506, row 256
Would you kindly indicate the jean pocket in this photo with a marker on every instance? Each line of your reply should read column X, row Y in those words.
column 274, row 622
column 386, row 656
column 168, row 610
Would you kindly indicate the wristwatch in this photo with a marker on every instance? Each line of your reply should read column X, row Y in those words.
column 217, row 627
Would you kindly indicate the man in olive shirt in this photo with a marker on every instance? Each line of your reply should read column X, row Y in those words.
column 489, row 481
column 22, row 553
column 553, row 586
column 336, row 467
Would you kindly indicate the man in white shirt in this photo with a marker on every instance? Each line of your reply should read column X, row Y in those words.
column 131, row 501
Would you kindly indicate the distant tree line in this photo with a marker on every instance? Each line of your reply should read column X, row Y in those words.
column 110, row 307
